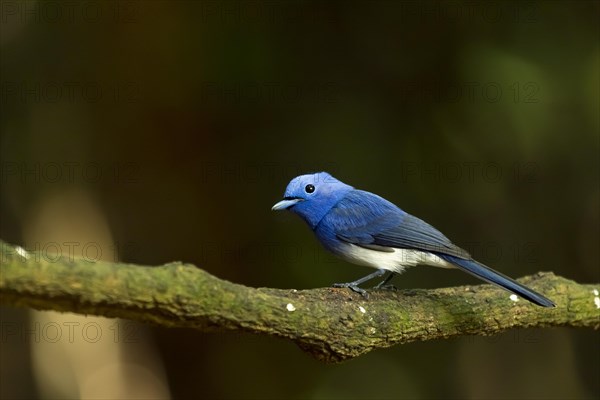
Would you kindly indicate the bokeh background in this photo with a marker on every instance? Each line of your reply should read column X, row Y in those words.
column 155, row 131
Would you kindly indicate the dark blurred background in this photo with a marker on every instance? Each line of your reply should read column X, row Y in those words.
column 155, row 131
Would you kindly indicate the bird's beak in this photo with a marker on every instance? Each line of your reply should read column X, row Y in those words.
column 286, row 203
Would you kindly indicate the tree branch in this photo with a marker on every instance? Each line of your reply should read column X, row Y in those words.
column 331, row 324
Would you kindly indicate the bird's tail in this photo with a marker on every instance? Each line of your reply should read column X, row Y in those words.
column 489, row 275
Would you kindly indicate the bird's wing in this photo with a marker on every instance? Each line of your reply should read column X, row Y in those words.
column 367, row 220
column 414, row 233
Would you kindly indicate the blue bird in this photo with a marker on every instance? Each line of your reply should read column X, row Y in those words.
column 368, row 230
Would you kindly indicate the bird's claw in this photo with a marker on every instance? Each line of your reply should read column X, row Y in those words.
column 382, row 286
column 352, row 287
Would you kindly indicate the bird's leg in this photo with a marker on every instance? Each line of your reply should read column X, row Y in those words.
column 354, row 285
column 382, row 284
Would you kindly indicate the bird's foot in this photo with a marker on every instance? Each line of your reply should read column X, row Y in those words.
column 352, row 286
column 383, row 286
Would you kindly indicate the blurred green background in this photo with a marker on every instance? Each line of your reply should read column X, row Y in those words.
column 154, row 131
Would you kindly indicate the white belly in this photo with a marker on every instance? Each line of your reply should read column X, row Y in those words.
column 396, row 260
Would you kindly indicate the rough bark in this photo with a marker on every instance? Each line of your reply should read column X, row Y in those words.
column 331, row 324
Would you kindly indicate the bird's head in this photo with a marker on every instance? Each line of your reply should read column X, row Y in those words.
column 312, row 196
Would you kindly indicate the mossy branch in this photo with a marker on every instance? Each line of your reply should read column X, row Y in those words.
column 331, row 324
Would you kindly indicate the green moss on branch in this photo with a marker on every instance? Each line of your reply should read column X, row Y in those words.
column 331, row 324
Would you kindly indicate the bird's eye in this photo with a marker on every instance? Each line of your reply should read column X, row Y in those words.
column 309, row 189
